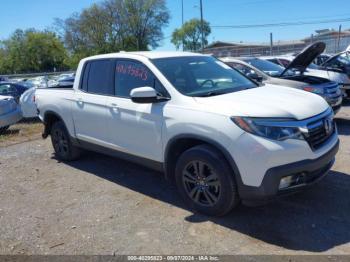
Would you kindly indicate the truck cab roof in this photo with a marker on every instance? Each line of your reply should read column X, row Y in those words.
column 146, row 54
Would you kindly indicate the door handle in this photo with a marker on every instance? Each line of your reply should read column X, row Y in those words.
column 114, row 107
column 80, row 101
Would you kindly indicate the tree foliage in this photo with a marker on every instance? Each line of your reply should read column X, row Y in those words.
column 31, row 51
column 109, row 26
column 114, row 25
column 190, row 35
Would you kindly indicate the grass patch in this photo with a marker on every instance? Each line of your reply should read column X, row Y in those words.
column 23, row 131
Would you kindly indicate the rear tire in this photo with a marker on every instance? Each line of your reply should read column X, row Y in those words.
column 3, row 129
column 62, row 144
column 205, row 181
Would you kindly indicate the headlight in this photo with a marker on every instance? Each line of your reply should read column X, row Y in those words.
column 268, row 128
column 315, row 90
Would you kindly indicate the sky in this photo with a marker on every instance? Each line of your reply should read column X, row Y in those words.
column 40, row 14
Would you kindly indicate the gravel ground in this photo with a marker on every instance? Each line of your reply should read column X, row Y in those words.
column 102, row 205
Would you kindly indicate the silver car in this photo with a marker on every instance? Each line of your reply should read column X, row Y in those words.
column 10, row 112
column 267, row 72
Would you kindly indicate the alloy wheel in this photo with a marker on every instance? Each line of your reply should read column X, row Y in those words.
column 201, row 183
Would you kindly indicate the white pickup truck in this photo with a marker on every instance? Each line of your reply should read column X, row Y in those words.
column 218, row 135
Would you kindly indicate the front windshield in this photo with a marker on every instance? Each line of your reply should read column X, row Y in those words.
column 26, row 84
column 344, row 58
column 202, row 75
column 313, row 66
column 266, row 66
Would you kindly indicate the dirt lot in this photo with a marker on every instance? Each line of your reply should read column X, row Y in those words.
column 23, row 131
column 101, row 205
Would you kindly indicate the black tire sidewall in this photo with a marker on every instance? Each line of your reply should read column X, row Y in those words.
column 3, row 129
column 228, row 197
column 60, row 126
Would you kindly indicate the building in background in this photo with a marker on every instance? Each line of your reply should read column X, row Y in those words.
column 335, row 42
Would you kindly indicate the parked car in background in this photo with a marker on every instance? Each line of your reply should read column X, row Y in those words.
column 39, row 81
column 12, row 89
column 302, row 64
column 65, row 76
column 341, row 63
column 10, row 112
column 27, row 103
column 66, row 82
column 214, row 132
column 4, row 79
column 328, row 90
column 321, row 59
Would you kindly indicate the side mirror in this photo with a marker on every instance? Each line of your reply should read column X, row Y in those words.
column 255, row 77
column 145, row 95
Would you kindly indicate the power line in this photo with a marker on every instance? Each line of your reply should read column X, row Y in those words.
column 256, row 2
column 282, row 24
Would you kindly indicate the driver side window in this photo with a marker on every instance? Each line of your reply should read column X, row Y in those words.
column 132, row 74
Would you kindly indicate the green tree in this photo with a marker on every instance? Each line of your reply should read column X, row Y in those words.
column 32, row 51
column 190, row 35
column 114, row 25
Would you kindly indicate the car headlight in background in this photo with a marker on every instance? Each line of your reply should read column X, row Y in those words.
column 314, row 90
column 266, row 127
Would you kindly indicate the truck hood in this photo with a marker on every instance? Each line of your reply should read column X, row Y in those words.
column 267, row 101
column 305, row 57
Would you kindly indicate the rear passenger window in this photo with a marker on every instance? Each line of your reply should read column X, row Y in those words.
column 85, row 77
column 130, row 75
column 100, row 77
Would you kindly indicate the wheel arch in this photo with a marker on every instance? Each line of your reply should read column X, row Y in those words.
column 180, row 143
column 50, row 117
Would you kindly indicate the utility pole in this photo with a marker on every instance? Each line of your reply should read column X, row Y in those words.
column 202, row 24
column 339, row 33
column 182, row 12
column 271, row 44
column 182, row 21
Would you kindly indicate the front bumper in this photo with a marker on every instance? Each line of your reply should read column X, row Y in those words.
column 11, row 118
column 311, row 170
column 334, row 101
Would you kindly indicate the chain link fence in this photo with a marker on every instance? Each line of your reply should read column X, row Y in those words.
column 26, row 76
column 334, row 45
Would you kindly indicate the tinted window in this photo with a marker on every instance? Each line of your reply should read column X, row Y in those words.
column 83, row 85
column 340, row 61
column 242, row 68
column 7, row 89
column 245, row 69
column 201, row 75
column 130, row 75
column 284, row 62
column 99, row 78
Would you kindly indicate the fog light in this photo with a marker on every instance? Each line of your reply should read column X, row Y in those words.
column 286, row 182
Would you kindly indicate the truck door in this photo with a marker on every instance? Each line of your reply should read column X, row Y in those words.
column 135, row 128
column 90, row 101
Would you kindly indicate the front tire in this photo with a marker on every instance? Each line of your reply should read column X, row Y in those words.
column 62, row 144
column 205, row 181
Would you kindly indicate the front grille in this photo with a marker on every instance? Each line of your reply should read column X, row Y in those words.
column 319, row 132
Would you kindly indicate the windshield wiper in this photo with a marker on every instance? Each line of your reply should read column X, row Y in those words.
column 211, row 93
